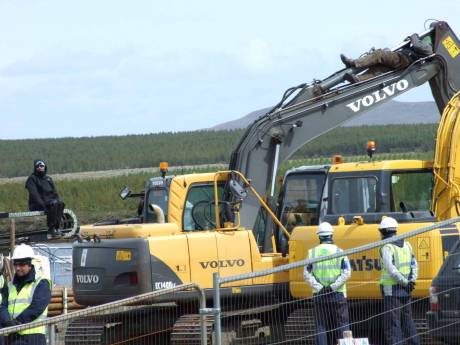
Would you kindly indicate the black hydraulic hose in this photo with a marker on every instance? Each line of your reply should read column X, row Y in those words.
column 286, row 95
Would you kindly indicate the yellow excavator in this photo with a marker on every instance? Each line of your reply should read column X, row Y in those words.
column 211, row 222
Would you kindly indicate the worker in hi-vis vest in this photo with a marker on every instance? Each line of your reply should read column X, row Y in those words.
column 25, row 299
column 327, row 279
column 397, row 281
column 2, row 284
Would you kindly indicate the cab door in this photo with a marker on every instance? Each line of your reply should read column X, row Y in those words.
column 233, row 248
column 199, row 224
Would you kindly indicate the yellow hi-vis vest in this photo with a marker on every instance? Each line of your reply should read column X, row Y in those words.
column 18, row 302
column 402, row 261
column 327, row 272
column 2, row 282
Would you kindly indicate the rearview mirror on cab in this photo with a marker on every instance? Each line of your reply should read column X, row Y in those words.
column 125, row 192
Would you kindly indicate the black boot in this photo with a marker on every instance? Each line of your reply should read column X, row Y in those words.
column 351, row 78
column 54, row 233
column 347, row 61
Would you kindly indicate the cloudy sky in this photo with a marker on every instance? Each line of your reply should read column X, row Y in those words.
column 100, row 67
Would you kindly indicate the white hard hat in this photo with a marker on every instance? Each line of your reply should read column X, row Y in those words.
column 324, row 229
column 23, row 251
column 388, row 223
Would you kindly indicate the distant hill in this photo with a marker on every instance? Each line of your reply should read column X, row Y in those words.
column 390, row 113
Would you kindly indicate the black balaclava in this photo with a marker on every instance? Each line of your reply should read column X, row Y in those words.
column 387, row 234
column 36, row 163
column 326, row 239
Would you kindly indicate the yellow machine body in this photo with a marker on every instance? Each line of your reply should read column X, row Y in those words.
column 193, row 255
column 430, row 248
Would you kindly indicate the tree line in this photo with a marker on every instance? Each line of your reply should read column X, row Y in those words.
column 97, row 199
column 67, row 155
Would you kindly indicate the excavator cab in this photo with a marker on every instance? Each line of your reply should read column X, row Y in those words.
column 156, row 193
column 301, row 196
column 401, row 189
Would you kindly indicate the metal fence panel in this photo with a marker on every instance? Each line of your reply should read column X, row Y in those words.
column 169, row 316
column 289, row 313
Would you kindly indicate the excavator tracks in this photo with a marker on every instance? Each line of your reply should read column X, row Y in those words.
column 84, row 332
column 300, row 327
column 139, row 325
column 187, row 330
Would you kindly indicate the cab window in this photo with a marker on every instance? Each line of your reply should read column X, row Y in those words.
column 302, row 199
column 411, row 191
column 159, row 197
column 199, row 210
column 353, row 195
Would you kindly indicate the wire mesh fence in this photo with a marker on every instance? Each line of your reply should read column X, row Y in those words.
column 60, row 258
column 169, row 316
column 278, row 306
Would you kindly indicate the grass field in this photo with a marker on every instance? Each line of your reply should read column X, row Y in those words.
column 93, row 199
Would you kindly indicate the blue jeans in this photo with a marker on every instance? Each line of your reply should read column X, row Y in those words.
column 398, row 321
column 331, row 317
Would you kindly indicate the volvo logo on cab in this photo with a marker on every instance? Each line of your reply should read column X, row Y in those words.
column 87, row 278
column 377, row 96
column 222, row 263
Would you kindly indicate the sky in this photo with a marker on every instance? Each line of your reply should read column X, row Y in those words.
column 116, row 67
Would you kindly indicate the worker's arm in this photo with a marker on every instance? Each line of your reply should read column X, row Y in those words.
column 310, row 279
column 413, row 270
column 53, row 186
column 4, row 316
column 413, row 266
column 387, row 262
column 40, row 300
column 31, row 186
column 344, row 276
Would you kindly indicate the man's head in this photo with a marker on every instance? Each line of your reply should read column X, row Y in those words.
column 22, row 259
column 39, row 167
column 325, row 231
column 388, row 227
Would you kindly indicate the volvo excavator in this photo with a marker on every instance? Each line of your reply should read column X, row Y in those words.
column 213, row 211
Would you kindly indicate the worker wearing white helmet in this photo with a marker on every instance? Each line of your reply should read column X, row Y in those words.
column 397, row 281
column 327, row 280
column 26, row 299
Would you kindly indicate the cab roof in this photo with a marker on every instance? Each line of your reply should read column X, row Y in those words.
column 198, row 177
column 401, row 164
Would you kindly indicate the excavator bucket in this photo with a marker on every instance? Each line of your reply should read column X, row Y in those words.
column 446, row 46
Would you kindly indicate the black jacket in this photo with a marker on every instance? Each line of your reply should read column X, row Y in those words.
column 41, row 190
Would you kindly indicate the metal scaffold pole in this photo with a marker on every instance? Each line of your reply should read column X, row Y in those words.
column 217, row 312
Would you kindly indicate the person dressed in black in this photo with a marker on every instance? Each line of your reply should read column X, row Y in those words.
column 44, row 197
column 384, row 60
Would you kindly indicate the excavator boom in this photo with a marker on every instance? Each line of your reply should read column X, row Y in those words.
column 325, row 105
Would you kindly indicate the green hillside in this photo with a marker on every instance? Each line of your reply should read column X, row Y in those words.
column 190, row 148
column 96, row 199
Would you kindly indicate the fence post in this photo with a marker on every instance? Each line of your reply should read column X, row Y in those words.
column 217, row 313
column 52, row 334
column 12, row 235
column 64, row 300
column 204, row 338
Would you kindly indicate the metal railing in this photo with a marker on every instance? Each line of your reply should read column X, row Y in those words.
column 127, row 306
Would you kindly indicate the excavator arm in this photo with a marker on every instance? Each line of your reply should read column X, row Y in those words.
column 446, row 192
column 324, row 105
